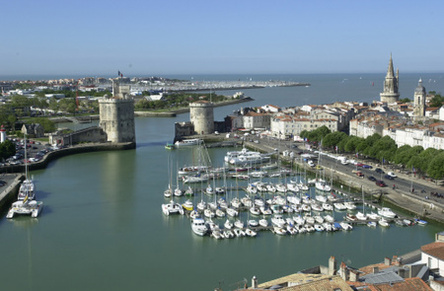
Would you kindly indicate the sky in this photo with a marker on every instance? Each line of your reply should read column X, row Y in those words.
column 144, row 37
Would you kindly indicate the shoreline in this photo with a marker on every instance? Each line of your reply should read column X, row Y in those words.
column 174, row 113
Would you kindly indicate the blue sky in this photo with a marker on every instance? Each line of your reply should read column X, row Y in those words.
column 140, row 37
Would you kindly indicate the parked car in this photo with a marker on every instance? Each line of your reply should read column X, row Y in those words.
column 380, row 183
column 391, row 174
column 359, row 174
column 379, row 171
column 387, row 176
column 359, row 164
column 367, row 166
column 371, row 178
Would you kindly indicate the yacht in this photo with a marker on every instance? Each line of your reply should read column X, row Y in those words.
column 25, row 207
column 172, row 208
column 199, row 227
column 188, row 142
column 386, row 212
column 26, row 190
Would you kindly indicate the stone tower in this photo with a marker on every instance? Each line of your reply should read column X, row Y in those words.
column 391, row 83
column 117, row 115
column 419, row 99
column 202, row 117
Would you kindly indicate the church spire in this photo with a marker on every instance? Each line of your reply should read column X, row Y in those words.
column 390, row 93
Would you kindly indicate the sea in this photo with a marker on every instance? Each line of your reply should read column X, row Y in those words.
column 102, row 227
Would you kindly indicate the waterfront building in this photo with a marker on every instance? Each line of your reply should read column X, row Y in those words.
column 252, row 120
column 390, row 93
column 433, row 255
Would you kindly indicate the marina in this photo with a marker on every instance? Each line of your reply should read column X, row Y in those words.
column 103, row 222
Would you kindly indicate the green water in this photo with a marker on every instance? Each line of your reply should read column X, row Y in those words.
column 102, row 229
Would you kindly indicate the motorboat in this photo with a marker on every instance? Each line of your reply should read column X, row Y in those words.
column 373, row 216
column 339, row 206
column 250, row 232
column 238, row 223
column 346, row 226
column 279, row 230
column 263, row 222
column 253, row 223
column 231, row 212
column 386, row 212
column 255, row 210
column 188, row 142
column 383, row 222
column 278, row 220
column 309, row 219
column 194, row 214
column 318, row 219
column 420, row 221
column 327, row 207
column 350, row 205
column 228, row 224
column 172, row 208
column 351, row 217
column 318, row 227
column 25, row 207
column 199, row 227
column 329, row 218
column 322, row 186
column 372, row 224
column 209, row 213
column 188, row 205
column 220, row 213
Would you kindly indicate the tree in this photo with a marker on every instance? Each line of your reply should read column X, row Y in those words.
column 436, row 167
column 352, row 144
column 332, row 139
column 7, row 149
column 436, row 101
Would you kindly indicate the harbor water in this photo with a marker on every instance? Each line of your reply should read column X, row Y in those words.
column 102, row 227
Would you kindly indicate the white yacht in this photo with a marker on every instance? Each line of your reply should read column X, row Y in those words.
column 26, row 190
column 386, row 212
column 25, row 207
column 199, row 227
column 172, row 208
column 189, row 142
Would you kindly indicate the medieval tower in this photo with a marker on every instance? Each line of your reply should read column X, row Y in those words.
column 419, row 99
column 117, row 115
column 202, row 117
column 391, row 83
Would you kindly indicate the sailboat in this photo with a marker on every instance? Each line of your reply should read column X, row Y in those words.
column 26, row 189
column 26, row 205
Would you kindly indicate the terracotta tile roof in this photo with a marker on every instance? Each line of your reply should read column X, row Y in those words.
column 435, row 249
column 307, row 282
column 410, row 284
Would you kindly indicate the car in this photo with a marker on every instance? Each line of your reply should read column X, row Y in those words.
column 371, row 178
column 387, row 176
column 359, row 174
column 391, row 174
column 379, row 171
column 380, row 183
column 367, row 166
column 216, row 132
column 359, row 164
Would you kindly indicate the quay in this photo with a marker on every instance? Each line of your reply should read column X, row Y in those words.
column 421, row 207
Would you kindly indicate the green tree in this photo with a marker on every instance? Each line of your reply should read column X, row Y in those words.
column 332, row 139
column 7, row 149
column 436, row 101
column 48, row 125
column 436, row 167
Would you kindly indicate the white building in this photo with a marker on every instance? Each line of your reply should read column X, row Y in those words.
column 433, row 254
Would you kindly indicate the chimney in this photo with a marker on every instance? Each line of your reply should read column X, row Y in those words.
column 354, row 275
column 332, row 266
column 375, row 270
column 344, row 271
column 387, row 261
column 254, row 282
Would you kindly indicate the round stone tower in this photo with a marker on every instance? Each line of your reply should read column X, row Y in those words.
column 117, row 115
column 202, row 117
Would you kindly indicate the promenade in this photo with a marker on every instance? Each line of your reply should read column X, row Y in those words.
column 420, row 204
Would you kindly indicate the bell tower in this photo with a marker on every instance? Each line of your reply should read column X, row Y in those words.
column 419, row 100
